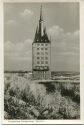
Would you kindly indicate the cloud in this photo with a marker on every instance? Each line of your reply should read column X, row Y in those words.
column 18, row 47
column 26, row 13
column 65, row 48
column 18, row 54
column 56, row 32
column 64, row 42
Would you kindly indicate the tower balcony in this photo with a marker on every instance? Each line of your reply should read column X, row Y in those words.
column 41, row 68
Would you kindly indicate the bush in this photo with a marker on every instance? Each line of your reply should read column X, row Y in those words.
column 71, row 93
column 25, row 99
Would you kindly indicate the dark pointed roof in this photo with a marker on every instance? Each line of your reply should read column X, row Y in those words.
column 41, row 34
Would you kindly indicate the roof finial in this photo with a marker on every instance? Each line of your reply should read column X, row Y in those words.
column 41, row 17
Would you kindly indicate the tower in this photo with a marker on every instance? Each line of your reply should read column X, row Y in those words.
column 41, row 52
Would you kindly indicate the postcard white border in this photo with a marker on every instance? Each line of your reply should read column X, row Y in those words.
column 81, row 121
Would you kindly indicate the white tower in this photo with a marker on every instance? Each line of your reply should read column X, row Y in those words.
column 41, row 52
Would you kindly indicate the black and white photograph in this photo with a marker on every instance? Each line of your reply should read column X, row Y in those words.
column 41, row 61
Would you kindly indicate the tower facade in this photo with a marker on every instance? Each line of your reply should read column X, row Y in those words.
column 41, row 52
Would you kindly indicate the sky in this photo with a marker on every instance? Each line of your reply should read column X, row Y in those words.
column 62, row 24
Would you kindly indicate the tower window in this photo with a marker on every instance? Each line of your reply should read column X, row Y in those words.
column 42, row 62
column 46, row 44
column 46, row 62
column 46, row 48
column 42, row 44
column 42, row 48
column 42, row 57
column 38, row 62
column 38, row 44
column 42, row 53
column 38, row 53
column 38, row 57
column 37, row 48
column 46, row 53
column 46, row 57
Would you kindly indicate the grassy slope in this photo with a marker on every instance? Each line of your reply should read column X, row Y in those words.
column 26, row 99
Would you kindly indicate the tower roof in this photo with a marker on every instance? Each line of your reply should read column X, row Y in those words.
column 41, row 34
